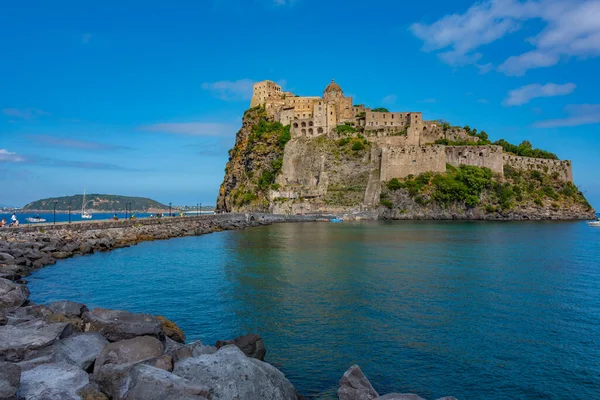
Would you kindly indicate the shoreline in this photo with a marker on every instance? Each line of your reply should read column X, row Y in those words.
column 109, row 354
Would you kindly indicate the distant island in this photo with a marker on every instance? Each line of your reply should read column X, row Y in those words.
column 96, row 203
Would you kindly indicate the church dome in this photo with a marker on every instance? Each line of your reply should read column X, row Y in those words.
column 333, row 87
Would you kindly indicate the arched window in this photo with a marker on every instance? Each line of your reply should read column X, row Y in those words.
column 319, row 130
column 304, row 131
column 310, row 131
column 295, row 124
column 310, row 123
column 303, row 124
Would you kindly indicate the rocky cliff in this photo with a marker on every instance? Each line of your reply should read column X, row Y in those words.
column 341, row 173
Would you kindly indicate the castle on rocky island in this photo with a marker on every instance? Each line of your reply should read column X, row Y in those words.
column 400, row 144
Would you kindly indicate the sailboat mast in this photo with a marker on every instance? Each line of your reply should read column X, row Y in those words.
column 83, row 203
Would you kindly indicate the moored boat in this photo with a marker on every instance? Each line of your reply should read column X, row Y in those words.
column 35, row 220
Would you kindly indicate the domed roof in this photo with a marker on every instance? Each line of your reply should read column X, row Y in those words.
column 333, row 87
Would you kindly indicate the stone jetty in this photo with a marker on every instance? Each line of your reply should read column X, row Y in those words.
column 63, row 350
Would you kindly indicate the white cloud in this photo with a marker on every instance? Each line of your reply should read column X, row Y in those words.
column 572, row 28
column 390, row 99
column 7, row 156
column 24, row 113
column 525, row 94
column 230, row 90
column 578, row 114
column 192, row 128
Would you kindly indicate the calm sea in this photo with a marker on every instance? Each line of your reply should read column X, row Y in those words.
column 478, row 310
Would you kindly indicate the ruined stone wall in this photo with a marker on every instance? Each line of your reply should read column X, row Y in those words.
column 479, row 156
column 399, row 162
column 560, row 167
column 375, row 120
column 285, row 116
column 263, row 91
column 432, row 131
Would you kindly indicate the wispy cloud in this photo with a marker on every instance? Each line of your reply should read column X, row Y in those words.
column 389, row 100
column 483, row 101
column 230, row 90
column 578, row 114
column 572, row 29
column 192, row 128
column 75, row 144
column 24, row 113
column 8, row 156
column 86, row 37
column 428, row 101
column 525, row 94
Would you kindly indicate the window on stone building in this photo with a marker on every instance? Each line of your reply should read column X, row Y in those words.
column 295, row 124
column 303, row 124
column 310, row 131
column 320, row 130
column 310, row 123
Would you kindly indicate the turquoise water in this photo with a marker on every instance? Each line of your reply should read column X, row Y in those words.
column 478, row 310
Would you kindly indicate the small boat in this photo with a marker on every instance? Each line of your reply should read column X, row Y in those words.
column 35, row 220
column 594, row 223
column 84, row 214
column 336, row 220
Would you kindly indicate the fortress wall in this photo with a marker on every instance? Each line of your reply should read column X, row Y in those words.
column 563, row 168
column 374, row 120
column 285, row 116
column 389, row 141
column 404, row 161
column 479, row 156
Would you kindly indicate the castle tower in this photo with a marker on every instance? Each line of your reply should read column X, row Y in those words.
column 264, row 90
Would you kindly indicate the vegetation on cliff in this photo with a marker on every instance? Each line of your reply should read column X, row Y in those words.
column 95, row 202
column 254, row 162
column 471, row 186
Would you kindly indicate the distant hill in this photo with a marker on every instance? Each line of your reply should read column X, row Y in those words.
column 95, row 203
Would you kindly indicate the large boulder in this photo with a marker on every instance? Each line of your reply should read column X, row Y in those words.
column 400, row 396
column 19, row 341
column 120, row 325
column 171, row 329
column 148, row 383
column 129, row 351
column 10, row 379
column 6, row 258
column 251, row 345
column 68, row 308
column 229, row 374
column 12, row 294
column 354, row 385
column 52, row 382
column 79, row 349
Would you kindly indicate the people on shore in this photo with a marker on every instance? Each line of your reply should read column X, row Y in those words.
column 132, row 216
column 14, row 223
column 13, row 218
column 2, row 223
column 115, row 217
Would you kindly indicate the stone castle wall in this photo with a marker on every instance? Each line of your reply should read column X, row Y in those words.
column 399, row 162
column 479, row 156
column 562, row 168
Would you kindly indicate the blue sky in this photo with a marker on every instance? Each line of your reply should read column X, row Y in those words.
column 145, row 98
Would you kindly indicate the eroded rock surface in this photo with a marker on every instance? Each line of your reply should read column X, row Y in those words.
column 52, row 382
column 354, row 385
column 117, row 325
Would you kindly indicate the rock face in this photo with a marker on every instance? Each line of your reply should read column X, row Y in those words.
column 16, row 342
column 232, row 375
column 79, row 349
column 120, row 325
column 129, row 351
column 10, row 379
column 354, row 385
column 251, row 345
column 12, row 294
column 68, row 308
column 52, row 382
column 148, row 383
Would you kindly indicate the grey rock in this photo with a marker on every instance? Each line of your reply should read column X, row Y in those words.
column 448, row 398
column 193, row 349
column 52, row 382
column 19, row 341
column 400, row 396
column 3, row 318
column 171, row 346
column 92, row 392
column 68, row 308
column 10, row 379
column 148, row 383
column 354, row 385
column 110, row 378
column 12, row 294
column 251, row 345
column 79, row 349
column 59, row 255
column 129, row 351
column 120, row 325
column 163, row 362
column 232, row 375
column 6, row 258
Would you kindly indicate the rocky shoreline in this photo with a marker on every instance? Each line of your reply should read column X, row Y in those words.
column 63, row 350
